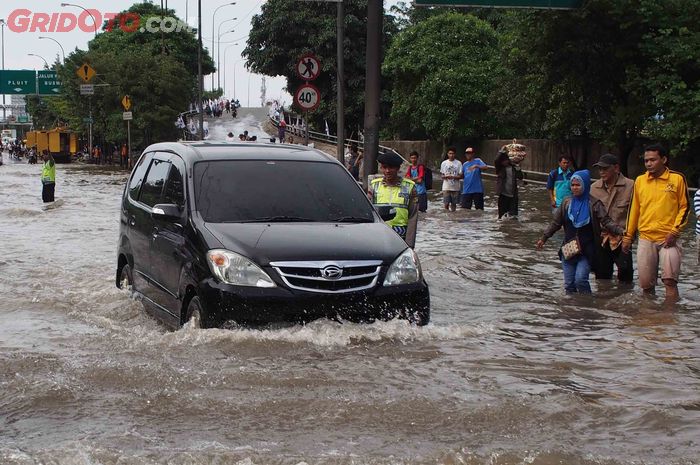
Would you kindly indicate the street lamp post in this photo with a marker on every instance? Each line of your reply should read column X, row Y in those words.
column 2, row 24
column 224, row 68
column 213, row 18
column 46, row 63
column 63, row 52
column 86, row 11
column 218, row 48
column 218, row 58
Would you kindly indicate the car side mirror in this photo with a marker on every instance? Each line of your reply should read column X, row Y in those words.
column 386, row 212
column 166, row 211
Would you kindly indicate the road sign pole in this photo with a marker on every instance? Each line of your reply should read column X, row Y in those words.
column 306, row 128
column 340, row 110
column 90, row 132
column 128, row 144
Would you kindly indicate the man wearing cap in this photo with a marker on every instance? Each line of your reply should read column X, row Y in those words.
column 472, row 188
column 614, row 190
column 397, row 192
column 659, row 212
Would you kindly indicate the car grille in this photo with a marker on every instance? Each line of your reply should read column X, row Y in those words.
column 329, row 277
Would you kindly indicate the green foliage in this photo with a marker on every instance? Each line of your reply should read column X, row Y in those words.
column 158, row 72
column 285, row 30
column 443, row 71
column 614, row 70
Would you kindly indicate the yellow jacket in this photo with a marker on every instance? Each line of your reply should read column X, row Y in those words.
column 659, row 206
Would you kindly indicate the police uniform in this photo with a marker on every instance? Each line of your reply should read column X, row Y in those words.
column 401, row 196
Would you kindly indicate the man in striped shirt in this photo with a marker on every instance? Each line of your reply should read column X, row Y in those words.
column 658, row 211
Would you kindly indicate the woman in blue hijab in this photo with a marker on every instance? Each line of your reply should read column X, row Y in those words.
column 582, row 219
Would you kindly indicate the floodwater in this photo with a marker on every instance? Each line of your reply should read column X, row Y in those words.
column 509, row 371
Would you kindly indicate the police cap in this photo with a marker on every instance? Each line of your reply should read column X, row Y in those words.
column 390, row 159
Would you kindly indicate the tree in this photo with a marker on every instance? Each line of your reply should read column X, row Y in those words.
column 159, row 72
column 443, row 71
column 285, row 30
column 614, row 70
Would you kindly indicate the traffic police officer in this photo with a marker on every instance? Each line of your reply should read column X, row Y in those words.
column 48, row 177
column 391, row 190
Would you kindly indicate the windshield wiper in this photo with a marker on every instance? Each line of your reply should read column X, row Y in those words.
column 352, row 219
column 280, row 219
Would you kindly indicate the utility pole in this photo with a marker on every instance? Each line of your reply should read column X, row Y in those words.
column 375, row 13
column 200, row 81
column 340, row 104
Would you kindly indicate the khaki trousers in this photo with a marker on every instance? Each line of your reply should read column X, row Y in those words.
column 650, row 256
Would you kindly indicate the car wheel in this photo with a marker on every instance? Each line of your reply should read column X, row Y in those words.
column 419, row 317
column 126, row 280
column 197, row 316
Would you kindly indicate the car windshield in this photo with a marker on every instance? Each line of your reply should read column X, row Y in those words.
column 233, row 191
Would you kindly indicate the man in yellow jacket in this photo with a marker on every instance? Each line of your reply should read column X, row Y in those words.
column 48, row 177
column 658, row 211
column 399, row 193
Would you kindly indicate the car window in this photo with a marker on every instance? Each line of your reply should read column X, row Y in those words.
column 174, row 186
column 152, row 187
column 252, row 190
column 138, row 174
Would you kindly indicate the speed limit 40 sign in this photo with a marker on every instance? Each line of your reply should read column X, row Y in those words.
column 307, row 97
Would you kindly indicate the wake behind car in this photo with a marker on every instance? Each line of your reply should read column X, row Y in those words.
column 256, row 233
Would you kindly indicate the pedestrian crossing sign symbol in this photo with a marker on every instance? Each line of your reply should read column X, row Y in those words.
column 85, row 72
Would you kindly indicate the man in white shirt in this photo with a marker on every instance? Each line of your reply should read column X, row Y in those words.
column 451, row 171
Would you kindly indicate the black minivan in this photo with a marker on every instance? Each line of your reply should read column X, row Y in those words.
column 256, row 233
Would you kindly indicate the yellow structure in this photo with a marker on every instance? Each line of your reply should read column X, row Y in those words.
column 60, row 142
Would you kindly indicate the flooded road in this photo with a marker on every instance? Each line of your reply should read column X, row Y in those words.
column 510, row 370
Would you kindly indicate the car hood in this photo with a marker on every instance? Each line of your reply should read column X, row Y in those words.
column 270, row 242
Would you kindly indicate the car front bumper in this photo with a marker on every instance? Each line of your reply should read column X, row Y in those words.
column 258, row 306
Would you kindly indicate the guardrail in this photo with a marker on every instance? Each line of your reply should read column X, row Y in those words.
column 330, row 139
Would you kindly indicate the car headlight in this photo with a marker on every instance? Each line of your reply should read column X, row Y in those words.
column 232, row 268
column 404, row 270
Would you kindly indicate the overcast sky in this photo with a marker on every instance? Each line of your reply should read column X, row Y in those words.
column 19, row 44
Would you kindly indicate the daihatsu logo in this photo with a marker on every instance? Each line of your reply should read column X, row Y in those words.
column 332, row 272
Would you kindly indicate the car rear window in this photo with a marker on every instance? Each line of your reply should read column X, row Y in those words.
column 229, row 191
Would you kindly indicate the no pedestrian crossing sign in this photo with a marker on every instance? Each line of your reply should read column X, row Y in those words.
column 307, row 97
column 18, row 82
column 559, row 4
column 308, row 67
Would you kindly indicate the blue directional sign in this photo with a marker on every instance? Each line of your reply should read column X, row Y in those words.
column 18, row 82
column 49, row 84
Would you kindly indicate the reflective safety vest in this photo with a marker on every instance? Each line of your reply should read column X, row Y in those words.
column 48, row 172
column 394, row 196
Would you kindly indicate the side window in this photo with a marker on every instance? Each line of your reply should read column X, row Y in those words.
column 138, row 175
column 174, row 186
column 152, row 187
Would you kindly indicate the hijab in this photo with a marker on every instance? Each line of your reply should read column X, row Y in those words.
column 579, row 207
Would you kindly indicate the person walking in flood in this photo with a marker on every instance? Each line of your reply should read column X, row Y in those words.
column 472, row 187
column 451, row 171
column 615, row 191
column 507, row 175
column 659, row 212
column 558, row 182
column 48, row 177
column 582, row 219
